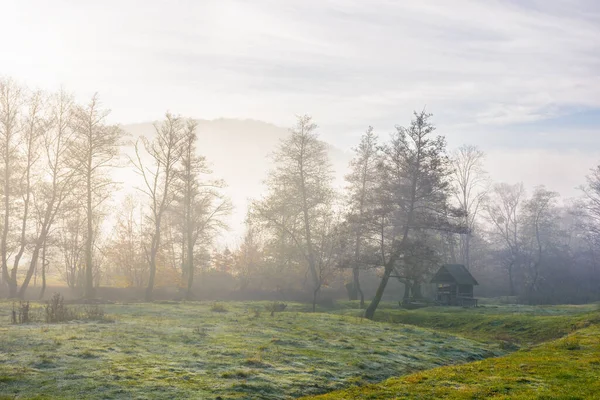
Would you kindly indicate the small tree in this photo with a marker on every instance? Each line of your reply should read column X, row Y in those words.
column 470, row 187
column 249, row 257
column 125, row 250
column 159, row 175
column 95, row 149
column 504, row 211
column 361, row 187
column 541, row 224
column 71, row 244
column 50, row 195
column 11, row 101
column 199, row 204
column 299, row 193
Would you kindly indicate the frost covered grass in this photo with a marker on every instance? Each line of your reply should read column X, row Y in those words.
column 188, row 350
column 567, row 368
column 507, row 324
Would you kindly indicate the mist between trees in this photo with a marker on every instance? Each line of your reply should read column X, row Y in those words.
column 409, row 205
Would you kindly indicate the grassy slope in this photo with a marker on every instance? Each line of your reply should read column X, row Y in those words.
column 568, row 368
column 522, row 325
column 187, row 351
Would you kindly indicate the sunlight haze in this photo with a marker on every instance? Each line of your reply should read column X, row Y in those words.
column 520, row 79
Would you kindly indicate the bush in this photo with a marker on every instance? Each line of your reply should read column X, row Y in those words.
column 94, row 312
column 218, row 307
column 20, row 315
column 57, row 311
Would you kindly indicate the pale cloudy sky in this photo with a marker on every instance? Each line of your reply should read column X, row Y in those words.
column 519, row 78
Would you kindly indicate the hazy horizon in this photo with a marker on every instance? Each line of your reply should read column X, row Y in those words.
column 520, row 80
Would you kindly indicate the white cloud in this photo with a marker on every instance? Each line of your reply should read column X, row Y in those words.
column 478, row 66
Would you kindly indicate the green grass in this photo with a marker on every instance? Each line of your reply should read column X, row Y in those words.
column 510, row 324
column 566, row 369
column 188, row 350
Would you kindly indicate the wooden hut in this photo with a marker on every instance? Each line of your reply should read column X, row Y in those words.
column 454, row 286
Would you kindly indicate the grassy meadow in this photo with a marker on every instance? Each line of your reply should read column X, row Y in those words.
column 197, row 350
column 237, row 350
column 564, row 369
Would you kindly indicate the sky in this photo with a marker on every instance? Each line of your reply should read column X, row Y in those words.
column 518, row 78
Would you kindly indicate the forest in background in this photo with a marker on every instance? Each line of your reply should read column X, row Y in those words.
column 409, row 204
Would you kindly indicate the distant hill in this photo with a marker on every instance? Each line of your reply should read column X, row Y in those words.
column 238, row 152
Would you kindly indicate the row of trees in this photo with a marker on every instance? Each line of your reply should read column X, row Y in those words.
column 408, row 206
column 58, row 161
column 397, row 203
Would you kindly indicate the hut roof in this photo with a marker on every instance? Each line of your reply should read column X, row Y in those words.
column 454, row 273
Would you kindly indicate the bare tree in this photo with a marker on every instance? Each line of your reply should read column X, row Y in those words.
column 362, row 185
column 504, row 212
column 95, row 151
column 541, row 219
column 71, row 244
column 159, row 177
column 199, row 203
column 300, row 193
column 126, row 251
column 470, row 187
column 11, row 99
column 34, row 128
column 51, row 194
column 588, row 211
column 249, row 257
column 591, row 200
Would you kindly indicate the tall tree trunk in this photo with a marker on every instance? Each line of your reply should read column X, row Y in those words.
column 43, row 289
column 357, row 289
column 451, row 245
column 88, row 291
column 468, row 251
column 190, row 270
column 370, row 311
column 415, row 290
column 315, row 296
column 390, row 265
column 11, row 280
column 407, row 291
column 352, row 292
column 33, row 263
column 153, row 253
column 510, row 279
column 355, row 269
column 150, row 287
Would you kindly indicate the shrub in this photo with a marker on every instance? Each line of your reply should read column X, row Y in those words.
column 218, row 307
column 20, row 315
column 94, row 312
column 57, row 311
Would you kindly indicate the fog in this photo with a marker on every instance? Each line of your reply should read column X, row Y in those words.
column 229, row 199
